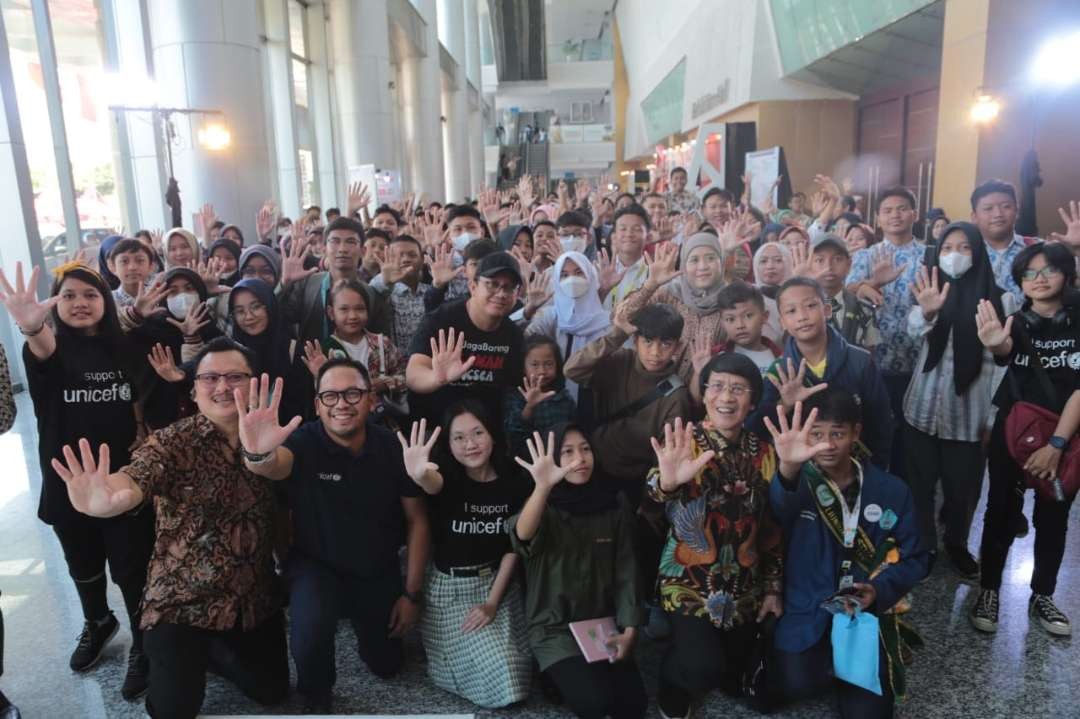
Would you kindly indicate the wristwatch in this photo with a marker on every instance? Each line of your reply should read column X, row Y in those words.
column 1058, row 443
column 255, row 458
column 413, row 597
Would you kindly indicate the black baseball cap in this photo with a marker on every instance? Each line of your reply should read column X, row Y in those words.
column 498, row 262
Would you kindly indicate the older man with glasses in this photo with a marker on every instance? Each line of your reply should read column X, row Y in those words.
column 469, row 348
column 210, row 598
column 352, row 505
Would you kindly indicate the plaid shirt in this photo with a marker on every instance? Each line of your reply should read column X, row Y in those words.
column 545, row 416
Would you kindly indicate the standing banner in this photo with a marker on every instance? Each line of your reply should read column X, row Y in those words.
column 763, row 167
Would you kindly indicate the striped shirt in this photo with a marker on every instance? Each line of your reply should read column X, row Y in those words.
column 931, row 404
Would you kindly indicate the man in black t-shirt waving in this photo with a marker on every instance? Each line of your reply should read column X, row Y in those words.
column 469, row 348
column 353, row 505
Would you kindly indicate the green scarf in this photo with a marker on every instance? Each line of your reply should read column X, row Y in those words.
column 898, row 638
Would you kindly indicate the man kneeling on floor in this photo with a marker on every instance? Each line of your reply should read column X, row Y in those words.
column 853, row 549
column 352, row 507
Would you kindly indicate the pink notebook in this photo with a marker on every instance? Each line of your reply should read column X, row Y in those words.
column 591, row 636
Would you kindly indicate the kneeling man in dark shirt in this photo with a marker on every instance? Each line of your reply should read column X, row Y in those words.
column 353, row 505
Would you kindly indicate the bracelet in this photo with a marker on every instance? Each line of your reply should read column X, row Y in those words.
column 252, row 458
column 34, row 333
column 192, row 339
column 413, row 597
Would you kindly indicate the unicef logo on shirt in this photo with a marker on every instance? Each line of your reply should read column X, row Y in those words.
column 1074, row 360
column 125, row 392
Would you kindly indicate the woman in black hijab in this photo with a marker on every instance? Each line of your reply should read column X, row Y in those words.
column 948, row 403
column 575, row 535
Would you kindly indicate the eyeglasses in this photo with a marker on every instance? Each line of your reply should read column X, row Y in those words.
column 330, row 397
column 494, row 288
column 250, row 272
column 1046, row 272
column 736, row 390
column 255, row 308
column 209, row 380
column 460, row 440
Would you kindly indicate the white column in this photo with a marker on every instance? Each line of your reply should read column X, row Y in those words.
column 281, row 104
column 331, row 183
column 421, row 101
column 20, row 240
column 452, row 18
column 472, row 73
column 207, row 56
column 360, row 41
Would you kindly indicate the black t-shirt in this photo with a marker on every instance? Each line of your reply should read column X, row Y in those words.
column 1057, row 348
column 468, row 518
column 80, row 391
column 346, row 508
column 499, row 362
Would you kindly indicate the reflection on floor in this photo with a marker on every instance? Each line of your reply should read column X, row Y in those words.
column 1020, row 671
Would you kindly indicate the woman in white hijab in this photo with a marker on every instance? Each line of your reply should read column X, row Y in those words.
column 576, row 316
column 773, row 265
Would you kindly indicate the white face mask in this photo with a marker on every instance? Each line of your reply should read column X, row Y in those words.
column 180, row 303
column 573, row 244
column 462, row 241
column 955, row 264
column 574, row 286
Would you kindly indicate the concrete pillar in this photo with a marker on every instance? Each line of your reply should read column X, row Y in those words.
column 360, row 39
column 452, row 21
column 421, row 102
column 282, row 104
column 472, row 74
column 207, row 56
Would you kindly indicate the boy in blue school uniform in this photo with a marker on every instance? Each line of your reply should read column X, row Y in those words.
column 848, row 526
column 816, row 356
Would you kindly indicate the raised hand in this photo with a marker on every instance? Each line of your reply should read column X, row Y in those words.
column 828, row 186
column 157, row 237
column 582, row 190
column 621, row 319
column 417, row 452
column 161, row 360
column 662, row 267
column 988, row 325
column 1071, row 217
column 358, row 197
column 792, row 443
column 446, row 360
column 700, row 350
column 818, row 202
column 392, row 271
column 443, row 271
column 929, row 292
column 608, row 272
column 802, row 263
column 22, row 303
column 314, row 357
column 675, row 457
column 198, row 316
column 265, row 219
column 525, row 191
column 207, row 218
column 88, row 483
column 533, row 391
column 537, row 292
column 148, row 299
column 791, row 384
column 883, row 267
column 292, row 264
column 260, row 431
column 525, row 266
column 210, row 271
column 545, row 472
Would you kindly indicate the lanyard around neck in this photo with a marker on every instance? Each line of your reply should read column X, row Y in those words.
column 850, row 516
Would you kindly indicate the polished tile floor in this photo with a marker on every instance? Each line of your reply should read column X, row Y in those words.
column 1019, row 672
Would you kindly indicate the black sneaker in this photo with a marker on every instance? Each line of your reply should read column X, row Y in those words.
column 963, row 562
column 984, row 615
column 7, row 709
column 137, row 679
column 674, row 703
column 1050, row 617
column 92, row 641
column 1021, row 527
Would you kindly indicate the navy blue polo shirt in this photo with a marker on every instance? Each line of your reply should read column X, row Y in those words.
column 346, row 508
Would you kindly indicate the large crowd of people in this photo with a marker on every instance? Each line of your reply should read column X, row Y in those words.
column 535, row 426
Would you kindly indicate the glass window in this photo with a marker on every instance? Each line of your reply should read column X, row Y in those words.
column 296, row 29
column 77, row 36
column 300, row 83
column 307, row 178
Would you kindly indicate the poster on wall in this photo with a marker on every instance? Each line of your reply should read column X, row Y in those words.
column 367, row 175
column 763, row 167
column 707, row 165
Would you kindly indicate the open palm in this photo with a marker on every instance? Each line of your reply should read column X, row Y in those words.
column 260, row 431
column 446, row 357
column 21, row 302
column 545, row 472
column 417, row 452
column 87, row 482
column 675, row 457
column 792, row 442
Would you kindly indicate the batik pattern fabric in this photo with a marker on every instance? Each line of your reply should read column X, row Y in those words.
column 490, row 666
column 897, row 351
column 723, row 553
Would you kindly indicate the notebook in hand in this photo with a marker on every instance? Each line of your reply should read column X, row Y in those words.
column 591, row 636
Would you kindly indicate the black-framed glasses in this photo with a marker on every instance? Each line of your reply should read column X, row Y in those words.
column 1048, row 271
column 209, row 380
column 353, row 395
